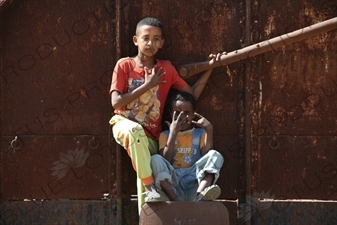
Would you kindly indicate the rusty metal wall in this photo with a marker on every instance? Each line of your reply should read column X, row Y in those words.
column 55, row 77
column 293, row 110
column 294, row 95
column 56, row 63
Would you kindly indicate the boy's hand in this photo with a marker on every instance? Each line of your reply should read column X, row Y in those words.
column 154, row 78
column 202, row 122
column 215, row 57
column 177, row 122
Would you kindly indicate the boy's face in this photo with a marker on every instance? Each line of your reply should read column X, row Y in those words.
column 187, row 113
column 149, row 40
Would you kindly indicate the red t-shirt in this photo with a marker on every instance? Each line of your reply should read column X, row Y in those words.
column 147, row 110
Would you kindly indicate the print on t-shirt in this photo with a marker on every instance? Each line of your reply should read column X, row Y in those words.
column 145, row 108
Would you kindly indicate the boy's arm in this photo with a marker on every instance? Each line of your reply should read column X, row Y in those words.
column 200, row 84
column 119, row 100
column 205, row 124
column 168, row 150
column 208, row 142
column 175, row 126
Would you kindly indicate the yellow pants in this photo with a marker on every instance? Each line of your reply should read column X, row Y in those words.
column 139, row 147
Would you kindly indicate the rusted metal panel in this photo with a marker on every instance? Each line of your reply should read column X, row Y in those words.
column 299, row 95
column 55, row 76
column 56, row 167
column 298, row 167
column 58, row 212
column 232, row 153
column 293, row 104
column 188, row 70
column 55, row 65
column 57, row 59
column 309, row 213
column 198, row 23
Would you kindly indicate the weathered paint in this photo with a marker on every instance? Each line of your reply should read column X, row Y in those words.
column 33, row 171
column 294, row 114
column 56, row 63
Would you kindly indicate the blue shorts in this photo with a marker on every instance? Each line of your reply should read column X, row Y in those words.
column 185, row 181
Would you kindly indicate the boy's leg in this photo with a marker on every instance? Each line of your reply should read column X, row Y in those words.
column 207, row 181
column 168, row 189
column 208, row 171
column 211, row 162
column 153, row 147
column 162, row 172
column 188, row 183
column 132, row 137
column 140, row 191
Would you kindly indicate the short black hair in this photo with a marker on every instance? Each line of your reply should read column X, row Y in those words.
column 175, row 95
column 150, row 21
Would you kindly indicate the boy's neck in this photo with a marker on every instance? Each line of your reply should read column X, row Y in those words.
column 187, row 129
column 141, row 63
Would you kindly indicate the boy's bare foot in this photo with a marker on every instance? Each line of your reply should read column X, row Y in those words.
column 167, row 187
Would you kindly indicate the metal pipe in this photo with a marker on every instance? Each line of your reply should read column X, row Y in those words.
column 188, row 70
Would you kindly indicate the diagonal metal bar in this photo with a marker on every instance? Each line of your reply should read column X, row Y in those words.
column 188, row 70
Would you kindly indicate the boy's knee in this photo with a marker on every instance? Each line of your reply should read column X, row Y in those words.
column 156, row 158
column 158, row 163
column 217, row 155
column 136, row 133
column 136, row 128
